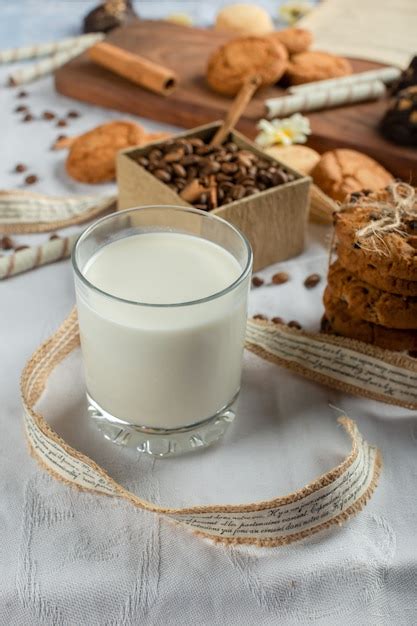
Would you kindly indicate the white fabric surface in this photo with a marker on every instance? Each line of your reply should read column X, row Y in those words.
column 71, row 558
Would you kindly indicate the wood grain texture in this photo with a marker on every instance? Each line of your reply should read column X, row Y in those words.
column 186, row 50
column 274, row 220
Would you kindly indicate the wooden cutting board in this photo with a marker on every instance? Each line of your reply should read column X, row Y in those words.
column 186, row 51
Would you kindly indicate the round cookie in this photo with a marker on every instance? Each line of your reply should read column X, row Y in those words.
column 296, row 40
column 338, row 320
column 301, row 158
column 237, row 60
column 244, row 19
column 310, row 66
column 393, row 254
column 92, row 156
column 342, row 172
column 371, row 304
column 371, row 274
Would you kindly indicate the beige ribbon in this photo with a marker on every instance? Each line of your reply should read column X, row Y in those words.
column 329, row 500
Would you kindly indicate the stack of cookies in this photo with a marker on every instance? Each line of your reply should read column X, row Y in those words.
column 371, row 293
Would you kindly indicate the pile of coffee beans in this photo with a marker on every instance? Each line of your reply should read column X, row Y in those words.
column 227, row 173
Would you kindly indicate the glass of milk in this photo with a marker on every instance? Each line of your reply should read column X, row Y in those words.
column 162, row 306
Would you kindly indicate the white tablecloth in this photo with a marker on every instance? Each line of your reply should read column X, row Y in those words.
column 71, row 558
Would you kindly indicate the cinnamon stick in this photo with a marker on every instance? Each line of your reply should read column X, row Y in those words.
column 135, row 68
column 239, row 105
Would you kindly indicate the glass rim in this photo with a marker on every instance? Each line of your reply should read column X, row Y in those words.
column 218, row 294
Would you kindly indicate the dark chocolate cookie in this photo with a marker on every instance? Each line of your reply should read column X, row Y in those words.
column 399, row 123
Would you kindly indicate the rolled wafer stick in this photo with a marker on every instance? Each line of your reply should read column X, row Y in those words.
column 36, row 256
column 27, row 212
column 135, row 68
column 240, row 103
column 49, row 48
column 325, row 98
column 386, row 75
column 47, row 66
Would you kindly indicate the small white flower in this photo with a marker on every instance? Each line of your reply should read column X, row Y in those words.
column 293, row 129
column 292, row 11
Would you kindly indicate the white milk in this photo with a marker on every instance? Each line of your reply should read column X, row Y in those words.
column 163, row 367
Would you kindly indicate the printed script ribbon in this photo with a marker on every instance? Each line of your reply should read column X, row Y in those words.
column 340, row 363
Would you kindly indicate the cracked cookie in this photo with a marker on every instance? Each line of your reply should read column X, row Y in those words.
column 342, row 172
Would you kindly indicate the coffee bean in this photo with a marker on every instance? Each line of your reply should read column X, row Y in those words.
column 162, row 175
column 251, row 190
column 247, row 181
column 229, row 168
column 48, row 115
column 191, row 159
column 312, row 280
column 179, row 170
column 22, row 94
column 196, row 142
column 231, row 146
column 28, row 118
column 20, row 248
column 155, row 155
column 31, row 179
column 6, row 243
column 277, row 320
column 412, row 353
column 61, row 123
column 60, row 137
column 259, row 316
column 174, row 156
column 204, row 150
column 280, row 278
column 202, row 207
column 294, row 324
column 265, row 178
column 224, row 157
column 143, row 161
column 278, row 178
column 54, row 236
column 20, row 167
column 21, row 109
column 73, row 114
column 238, row 192
column 257, row 281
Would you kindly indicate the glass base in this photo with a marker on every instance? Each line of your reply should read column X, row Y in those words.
column 160, row 442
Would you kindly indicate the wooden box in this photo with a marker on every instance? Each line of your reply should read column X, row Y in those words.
column 273, row 220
